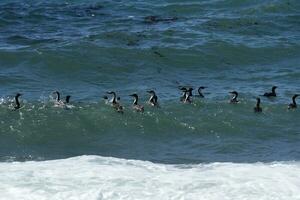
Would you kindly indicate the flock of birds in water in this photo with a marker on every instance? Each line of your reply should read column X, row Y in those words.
column 186, row 97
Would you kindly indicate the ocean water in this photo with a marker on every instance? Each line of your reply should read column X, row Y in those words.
column 209, row 149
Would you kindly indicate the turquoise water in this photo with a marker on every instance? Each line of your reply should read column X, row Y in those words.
column 85, row 48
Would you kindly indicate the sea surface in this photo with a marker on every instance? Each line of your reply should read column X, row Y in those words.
column 208, row 149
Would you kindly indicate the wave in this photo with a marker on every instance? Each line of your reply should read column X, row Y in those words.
column 95, row 177
column 176, row 133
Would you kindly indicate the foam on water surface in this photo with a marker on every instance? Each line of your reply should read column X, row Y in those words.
column 95, row 177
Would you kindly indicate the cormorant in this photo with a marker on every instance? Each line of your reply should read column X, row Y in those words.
column 234, row 98
column 115, row 104
column 188, row 96
column 135, row 105
column 61, row 104
column 57, row 96
column 18, row 105
column 153, row 98
column 271, row 94
column 58, row 102
column 184, row 90
column 293, row 105
column 257, row 108
column 200, row 91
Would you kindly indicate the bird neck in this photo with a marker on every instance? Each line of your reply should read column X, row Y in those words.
column 114, row 98
column 234, row 97
column 187, row 98
column 258, row 104
column 58, row 96
column 151, row 98
column 17, row 101
column 135, row 101
column 200, row 93
column 294, row 101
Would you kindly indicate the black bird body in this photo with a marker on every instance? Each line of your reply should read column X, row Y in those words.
column 257, row 108
column 271, row 94
column 293, row 105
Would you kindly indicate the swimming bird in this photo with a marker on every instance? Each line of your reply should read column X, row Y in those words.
column 113, row 99
column 293, row 105
column 135, row 105
column 234, row 98
column 271, row 94
column 115, row 104
column 57, row 96
column 190, row 91
column 58, row 102
column 184, row 90
column 18, row 105
column 200, row 91
column 188, row 96
column 153, row 98
column 67, row 104
column 257, row 108
column 62, row 104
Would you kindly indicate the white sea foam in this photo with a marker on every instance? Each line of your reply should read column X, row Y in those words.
column 96, row 178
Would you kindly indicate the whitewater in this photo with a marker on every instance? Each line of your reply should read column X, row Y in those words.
column 96, row 178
